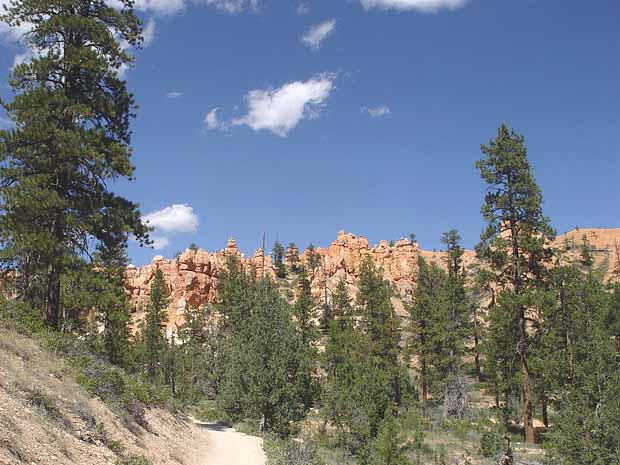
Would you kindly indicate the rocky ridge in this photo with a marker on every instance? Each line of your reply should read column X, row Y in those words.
column 194, row 277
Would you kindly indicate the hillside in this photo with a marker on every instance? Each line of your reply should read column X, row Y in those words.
column 47, row 418
column 193, row 278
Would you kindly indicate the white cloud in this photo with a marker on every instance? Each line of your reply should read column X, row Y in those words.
column 317, row 34
column 280, row 110
column 160, row 242
column 377, row 112
column 232, row 6
column 174, row 94
column 176, row 218
column 160, row 7
column 425, row 6
column 303, row 9
column 212, row 121
column 148, row 33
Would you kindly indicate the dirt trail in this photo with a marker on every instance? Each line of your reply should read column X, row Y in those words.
column 225, row 446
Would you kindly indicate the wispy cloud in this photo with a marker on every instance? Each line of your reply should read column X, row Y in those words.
column 174, row 95
column 424, row 6
column 233, row 6
column 212, row 121
column 377, row 112
column 280, row 110
column 160, row 242
column 317, row 34
column 148, row 32
column 303, row 8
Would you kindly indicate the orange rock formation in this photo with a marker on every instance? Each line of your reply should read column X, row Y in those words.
column 194, row 277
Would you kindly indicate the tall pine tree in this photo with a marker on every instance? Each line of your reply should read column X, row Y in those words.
column 515, row 241
column 70, row 141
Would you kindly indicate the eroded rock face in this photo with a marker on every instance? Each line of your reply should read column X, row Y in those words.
column 343, row 259
column 194, row 277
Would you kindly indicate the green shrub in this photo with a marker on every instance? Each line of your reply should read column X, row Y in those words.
column 287, row 452
column 133, row 460
column 20, row 316
column 491, row 444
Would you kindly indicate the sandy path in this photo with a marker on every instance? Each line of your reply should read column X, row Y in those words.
column 225, row 446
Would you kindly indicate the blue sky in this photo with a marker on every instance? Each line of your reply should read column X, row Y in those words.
column 364, row 115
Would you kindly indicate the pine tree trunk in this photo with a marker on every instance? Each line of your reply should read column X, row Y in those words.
column 424, row 383
column 545, row 414
column 477, row 357
column 528, row 420
column 52, row 308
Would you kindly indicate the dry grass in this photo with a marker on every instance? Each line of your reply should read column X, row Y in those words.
column 47, row 418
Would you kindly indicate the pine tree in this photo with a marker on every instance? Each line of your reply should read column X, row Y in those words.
column 305, row 315
column 153, row 333
column 515, row 240
column 364, row 375
column 201, row 342
column 586, row 253
column 264, row 362
column 70, row 141
column 426, row 316
column 293, row 259
column 313, row 259
column 278, row 259
column 390, row 447
column 456, row 327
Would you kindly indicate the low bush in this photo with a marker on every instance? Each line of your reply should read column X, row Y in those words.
column 287, row 452
column 491, row 444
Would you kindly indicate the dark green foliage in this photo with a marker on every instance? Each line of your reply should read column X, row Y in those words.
column 200, row 355
column 278, row 260
column 364, row 375
column 491, row 443
column 264, row 361
column 153, row 333
column 586, row 253
column 305, row 315
column 70, row 142
column 313, row 259
column 427, row 325
column 390, row 446
column 293, row 260
column 515, row 241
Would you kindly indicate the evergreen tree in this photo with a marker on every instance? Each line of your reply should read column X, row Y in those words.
column 586, row 253
column 264, row 365
column 390, row 447
column 293, row 259
column 278, row 259
column 587, row 393
column 426, row 329
column 456, row 327
column 313, row 258
column 70, row 141
column 515, row 240
column 153, row 333
column 202, row 347
column 304, row 313
column 379, row 321
column 364, row 375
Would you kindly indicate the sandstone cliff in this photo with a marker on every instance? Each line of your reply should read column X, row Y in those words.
column 194, row 277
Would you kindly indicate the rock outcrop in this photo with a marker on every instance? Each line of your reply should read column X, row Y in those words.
column 194, row 277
